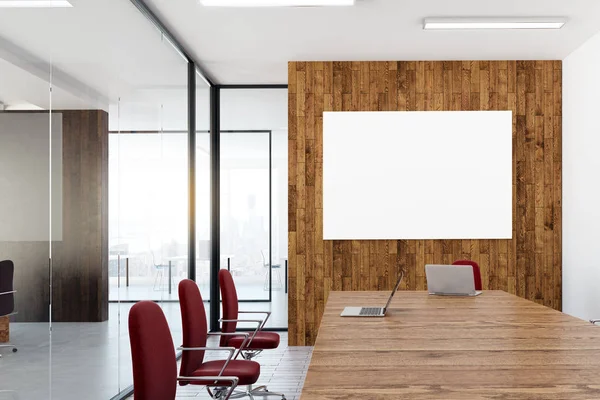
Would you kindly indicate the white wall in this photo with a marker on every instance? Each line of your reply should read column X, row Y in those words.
column 581, row 181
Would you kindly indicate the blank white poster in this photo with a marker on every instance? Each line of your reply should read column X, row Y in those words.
column 417, row 175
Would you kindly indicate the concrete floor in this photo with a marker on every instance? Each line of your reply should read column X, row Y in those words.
column 89, row 360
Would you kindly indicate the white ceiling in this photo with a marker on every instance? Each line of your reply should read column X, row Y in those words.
column 19, row 87
column 254, row 45
column 101, row 51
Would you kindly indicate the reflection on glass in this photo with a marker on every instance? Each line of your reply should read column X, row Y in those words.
column 245, row 202
column 73, row 224
column 148, row 197
column 148, row 219
column 30, row 158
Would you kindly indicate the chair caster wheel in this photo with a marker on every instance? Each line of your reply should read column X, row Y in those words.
column 14, row 350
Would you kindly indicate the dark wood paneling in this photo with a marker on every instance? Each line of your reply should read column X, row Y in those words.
column 80, row 260
column 529, row 265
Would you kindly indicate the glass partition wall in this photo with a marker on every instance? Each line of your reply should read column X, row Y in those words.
column 104, row 189
column 94, row 179
column 253, row 187
column 143, row 172
column 30, row 220
column 148, row 189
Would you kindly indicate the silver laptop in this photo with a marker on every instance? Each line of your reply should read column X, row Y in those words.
column 450, row 280
column 372, row 311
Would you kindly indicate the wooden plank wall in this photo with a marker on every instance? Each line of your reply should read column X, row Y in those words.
column 529, row 265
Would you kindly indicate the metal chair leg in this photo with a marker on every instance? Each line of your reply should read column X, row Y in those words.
column 6, row 346
column 220, row 393
column 250, row 354
column 259, row 391
column 158, row 272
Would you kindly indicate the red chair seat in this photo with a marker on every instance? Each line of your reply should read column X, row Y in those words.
column 247, row 371
column 262, row 340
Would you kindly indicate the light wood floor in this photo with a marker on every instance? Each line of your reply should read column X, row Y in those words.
column 282, row 370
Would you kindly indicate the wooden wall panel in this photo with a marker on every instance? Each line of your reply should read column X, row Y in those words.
column 529, row 265
column 80, row 260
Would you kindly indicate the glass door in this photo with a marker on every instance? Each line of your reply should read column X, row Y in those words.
column 246, row 212
column 254, row 195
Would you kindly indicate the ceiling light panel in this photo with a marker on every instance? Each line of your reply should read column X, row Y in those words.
column 492, row 23
column 276, row 3
column 34, row 4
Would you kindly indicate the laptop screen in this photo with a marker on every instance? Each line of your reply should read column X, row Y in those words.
column 394, row 291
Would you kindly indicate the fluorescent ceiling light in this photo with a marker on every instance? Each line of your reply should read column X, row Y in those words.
column 492, row 23
column 276, row 3
column 34, row 4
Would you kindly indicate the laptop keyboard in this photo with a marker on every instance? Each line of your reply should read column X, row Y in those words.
column 370, row 311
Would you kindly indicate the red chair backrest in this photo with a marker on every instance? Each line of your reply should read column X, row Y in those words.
column 194, row 326
column 230, row 303
column 476, row 272
column 152, row 353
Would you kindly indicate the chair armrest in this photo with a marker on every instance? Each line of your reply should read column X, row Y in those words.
column 258, row 321
column 268, row 313
column 207, row 348
column 206, row 378
column 258, row 327
column 11, row 292
column 231, row 351
column 245, row 334
column 228, row 334
column 595, row 321
column 11, row 314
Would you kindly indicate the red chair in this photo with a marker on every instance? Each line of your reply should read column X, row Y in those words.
column 195, row 334
column 476, row 272
column 154, row 361
column 259, row 340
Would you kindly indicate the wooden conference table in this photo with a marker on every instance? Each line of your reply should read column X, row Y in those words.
column 494, row 346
